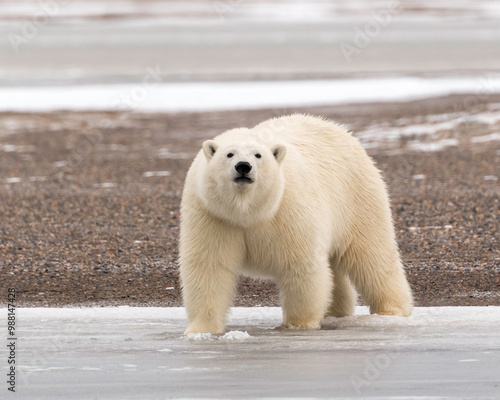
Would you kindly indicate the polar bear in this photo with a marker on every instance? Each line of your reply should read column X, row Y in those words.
column 295, row 199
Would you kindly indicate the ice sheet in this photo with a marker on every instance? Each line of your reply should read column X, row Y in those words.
column 140, row 353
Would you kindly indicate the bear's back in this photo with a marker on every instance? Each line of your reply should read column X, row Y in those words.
column 313, row 135
column 326, row 160
column 317, row 140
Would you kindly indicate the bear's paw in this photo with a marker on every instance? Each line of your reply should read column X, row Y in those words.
column 300, row 326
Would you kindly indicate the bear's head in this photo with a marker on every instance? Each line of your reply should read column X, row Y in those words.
column 243, row 181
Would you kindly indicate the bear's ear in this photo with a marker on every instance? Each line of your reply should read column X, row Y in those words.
column 279, row 152
column 209, row 148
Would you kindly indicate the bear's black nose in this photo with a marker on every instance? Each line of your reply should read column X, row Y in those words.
column 243, row 168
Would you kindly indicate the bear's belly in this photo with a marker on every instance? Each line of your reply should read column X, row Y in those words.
column 262, row 258
column 256, row 271
column 270, row 254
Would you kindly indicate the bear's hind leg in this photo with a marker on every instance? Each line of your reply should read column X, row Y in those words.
column 305, row 293
column 379, row 277
column 344, row 296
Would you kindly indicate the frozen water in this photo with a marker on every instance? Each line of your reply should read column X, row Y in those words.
column 140, row 353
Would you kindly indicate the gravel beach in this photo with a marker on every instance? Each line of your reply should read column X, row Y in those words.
column 89, row 201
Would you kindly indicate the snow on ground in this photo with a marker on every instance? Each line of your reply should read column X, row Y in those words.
column 208, row 96
column 232, row 335
column 425, row 132
column 282, row 11
column 125, row 353
column 434, row 132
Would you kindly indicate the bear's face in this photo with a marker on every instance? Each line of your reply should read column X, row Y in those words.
column 243, row 181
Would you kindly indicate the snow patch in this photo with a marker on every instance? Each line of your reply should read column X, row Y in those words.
column 229, row 336
column 149, row 174
column 10, row 148
column 486, row 138
column 197, row 337
column 433, row 146
column 37, row 178
column 475, row 293
column 416, row 228
column 13, row 180
column 235, row 335
column 104, row 185
column 166, row 153
column 487, row 118
column 373, row 135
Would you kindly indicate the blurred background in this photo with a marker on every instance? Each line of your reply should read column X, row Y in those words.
column 103, row 105
column 74, row 41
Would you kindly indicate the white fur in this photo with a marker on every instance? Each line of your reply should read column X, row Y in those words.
column 316, row 220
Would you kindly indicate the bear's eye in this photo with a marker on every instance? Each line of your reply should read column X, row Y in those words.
column 229, row 155
column 258, row 155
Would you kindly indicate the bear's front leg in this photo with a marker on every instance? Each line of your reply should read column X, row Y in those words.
column 210, row 256
column 305, row 291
